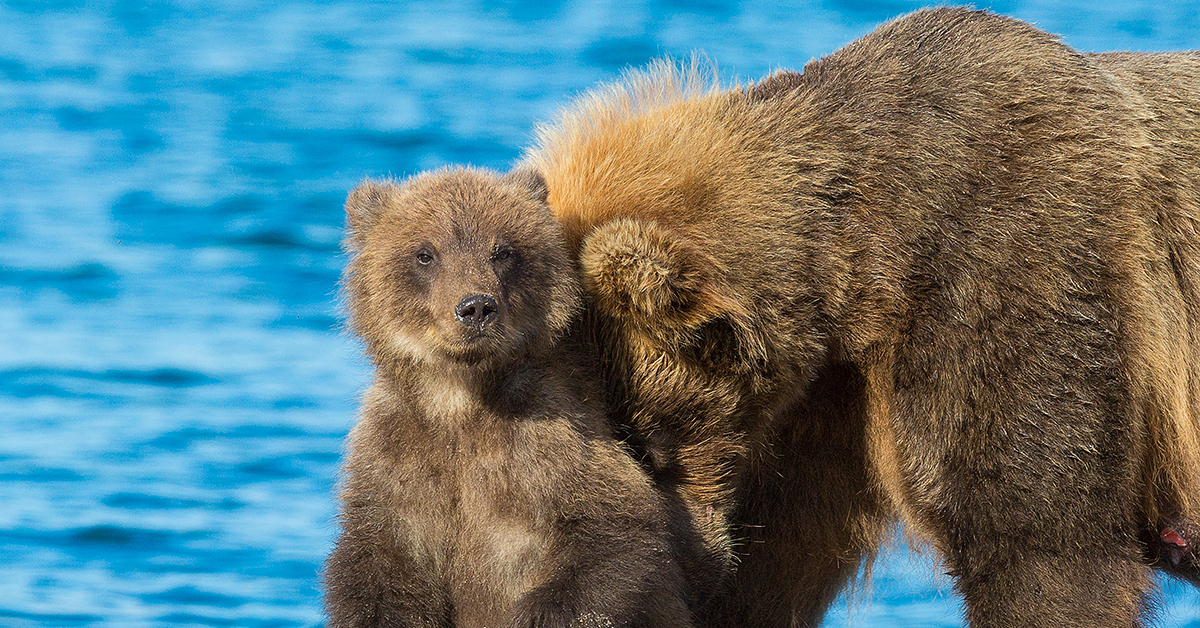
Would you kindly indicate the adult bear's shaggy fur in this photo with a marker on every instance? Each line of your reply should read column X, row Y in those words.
column 949, row 273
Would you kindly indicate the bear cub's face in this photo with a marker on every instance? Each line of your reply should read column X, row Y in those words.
column 457, row 266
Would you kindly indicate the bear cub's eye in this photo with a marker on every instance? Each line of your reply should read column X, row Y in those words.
column 424, row 257
column 503, row 253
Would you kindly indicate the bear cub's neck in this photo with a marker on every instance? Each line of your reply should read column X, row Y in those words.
column 479, row 397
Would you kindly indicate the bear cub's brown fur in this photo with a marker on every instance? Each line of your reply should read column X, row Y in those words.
column 483, row 486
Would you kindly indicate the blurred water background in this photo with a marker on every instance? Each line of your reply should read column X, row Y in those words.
column 174, row 385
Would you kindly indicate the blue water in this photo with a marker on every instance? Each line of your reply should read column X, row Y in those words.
column 174, row 384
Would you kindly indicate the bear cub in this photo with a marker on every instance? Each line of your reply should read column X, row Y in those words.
column 483, row 485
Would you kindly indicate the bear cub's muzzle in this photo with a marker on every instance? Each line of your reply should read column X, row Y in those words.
column 477, row 311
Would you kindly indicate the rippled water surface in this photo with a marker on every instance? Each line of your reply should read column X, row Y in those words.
column 174, row 386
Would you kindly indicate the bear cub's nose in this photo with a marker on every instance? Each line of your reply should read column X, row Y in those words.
column 477, row 310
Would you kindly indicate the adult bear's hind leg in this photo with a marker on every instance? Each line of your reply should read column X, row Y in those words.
column 1029, row 484
column 1038, row 540
column 1093, row 587
column 1039, row 533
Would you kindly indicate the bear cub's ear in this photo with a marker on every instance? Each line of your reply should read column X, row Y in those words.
column 531, row 180
column 364, row 206
column 638, row 269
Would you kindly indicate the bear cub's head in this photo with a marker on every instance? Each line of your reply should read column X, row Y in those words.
column 459, row 266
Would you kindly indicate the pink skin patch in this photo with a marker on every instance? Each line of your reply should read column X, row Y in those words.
column 1176, row 545
column 1169, row 535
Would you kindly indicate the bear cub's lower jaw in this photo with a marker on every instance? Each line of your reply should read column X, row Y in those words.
column 481, row 350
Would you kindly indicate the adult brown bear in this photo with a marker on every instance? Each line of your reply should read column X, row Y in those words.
column 948, row 275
